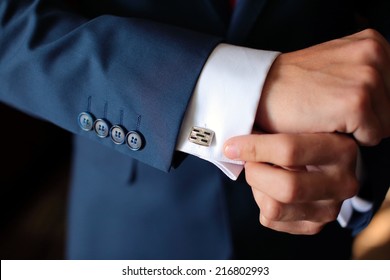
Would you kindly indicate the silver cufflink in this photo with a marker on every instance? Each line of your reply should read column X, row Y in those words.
column 201, row 136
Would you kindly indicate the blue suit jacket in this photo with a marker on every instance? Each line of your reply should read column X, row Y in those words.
column 136, row 63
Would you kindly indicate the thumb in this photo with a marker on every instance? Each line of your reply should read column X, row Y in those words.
column 252, row 147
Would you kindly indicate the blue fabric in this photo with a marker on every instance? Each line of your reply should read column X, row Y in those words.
column 180, row 215
column 136, row 63
column 53, row 63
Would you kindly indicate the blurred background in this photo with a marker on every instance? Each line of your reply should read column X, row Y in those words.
column 33, row 207
column 34, row 179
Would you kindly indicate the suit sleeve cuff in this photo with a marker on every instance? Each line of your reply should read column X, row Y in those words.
column 225, row 100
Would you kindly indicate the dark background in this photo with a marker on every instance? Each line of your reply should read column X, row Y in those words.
column 34, row 177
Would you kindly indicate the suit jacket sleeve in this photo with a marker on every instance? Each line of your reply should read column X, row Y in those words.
column 56, row 63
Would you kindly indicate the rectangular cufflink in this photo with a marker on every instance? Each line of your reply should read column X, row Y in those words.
column 201, row 136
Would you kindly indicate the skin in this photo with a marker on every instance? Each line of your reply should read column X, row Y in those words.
column 329, row 98
column 298, row 180
column 338, row 86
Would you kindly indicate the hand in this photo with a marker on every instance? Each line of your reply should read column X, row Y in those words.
column 338, row 86
column 298, row 180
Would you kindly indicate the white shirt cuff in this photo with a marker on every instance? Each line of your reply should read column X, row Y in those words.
column 225, row 101
column 354, row 203
column 349, row 206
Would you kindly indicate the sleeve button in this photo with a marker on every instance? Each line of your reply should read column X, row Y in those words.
column 134, row 140
column 85, row 121
column 117, row 134
column 101, row 128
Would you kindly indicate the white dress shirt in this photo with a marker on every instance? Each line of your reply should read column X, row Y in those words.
column 225, row 100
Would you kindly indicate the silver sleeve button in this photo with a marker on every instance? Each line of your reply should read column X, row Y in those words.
column 101, row 128
column 118, row 134
column 85, row 121
column 134, row 140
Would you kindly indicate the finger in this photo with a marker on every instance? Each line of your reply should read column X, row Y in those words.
column 372, row 34
column 286, row 149
column 375, row 51
column 296, row 227
column 301, row 187
column 370, row 131
column 366, row 108
column 321, row 211
column 367, row 47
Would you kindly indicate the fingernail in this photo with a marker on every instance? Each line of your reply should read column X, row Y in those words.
column 232, row 151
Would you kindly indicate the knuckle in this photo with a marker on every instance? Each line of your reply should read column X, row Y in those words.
column 251, row 151
column 358, row 101
column 370, row 50
column 288, row 150
column 375, row 139
column 264, row 221
column 249, row 174
column 351, row 186
column 332, row 212
column 312, row 229
column 345, row 176
column 291, row 189
column 370, row 32
column 357, row 107
column 372, row 45
column 271, row 210
column 348, row 182
column 350, row 150
column 370, row 78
